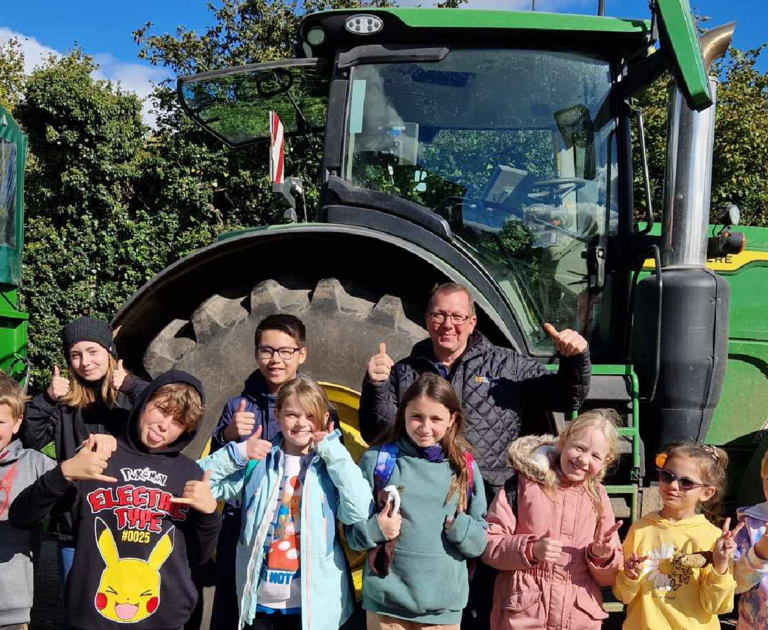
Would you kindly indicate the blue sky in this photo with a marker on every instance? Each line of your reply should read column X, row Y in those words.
column 104, row 28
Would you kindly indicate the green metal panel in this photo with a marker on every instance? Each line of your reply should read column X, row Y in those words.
column 13, row 323
column 10, row 257
column 677, row 20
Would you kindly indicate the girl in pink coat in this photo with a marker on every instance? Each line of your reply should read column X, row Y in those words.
column 552, row 533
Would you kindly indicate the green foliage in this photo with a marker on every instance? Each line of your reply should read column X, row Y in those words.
column 12, row 76
column 740, row 157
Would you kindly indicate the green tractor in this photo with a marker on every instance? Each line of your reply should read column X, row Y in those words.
column 490, row 148
column 13, row 322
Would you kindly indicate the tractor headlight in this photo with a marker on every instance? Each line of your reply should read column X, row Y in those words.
column 364, row 24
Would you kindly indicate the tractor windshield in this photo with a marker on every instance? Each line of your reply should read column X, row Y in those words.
column 517, row 150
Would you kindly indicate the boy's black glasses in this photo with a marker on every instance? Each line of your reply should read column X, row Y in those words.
column 685, row 484
column 267, row 352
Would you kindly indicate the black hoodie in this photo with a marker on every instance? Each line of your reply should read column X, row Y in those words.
column 134, row 547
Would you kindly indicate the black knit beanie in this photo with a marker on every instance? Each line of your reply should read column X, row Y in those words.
column 88, row 329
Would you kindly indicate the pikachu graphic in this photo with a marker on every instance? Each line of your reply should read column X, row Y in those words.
column 129, row 589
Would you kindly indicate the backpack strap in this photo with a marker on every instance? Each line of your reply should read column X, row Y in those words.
column 510, row 488
column 471, row 474
column 385, row 465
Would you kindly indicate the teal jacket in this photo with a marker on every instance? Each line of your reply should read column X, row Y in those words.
column 428, row 581
column 333, row 488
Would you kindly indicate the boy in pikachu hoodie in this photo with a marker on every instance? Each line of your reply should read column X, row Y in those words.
column 144, row 510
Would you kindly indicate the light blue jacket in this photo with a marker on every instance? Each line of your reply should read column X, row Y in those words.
column 333, row 488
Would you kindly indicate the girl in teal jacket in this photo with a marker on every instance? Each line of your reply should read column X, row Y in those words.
column 417, row 561
column 291, row 571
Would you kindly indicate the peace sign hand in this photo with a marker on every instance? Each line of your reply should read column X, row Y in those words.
column 605, row 541
column 633, row 566
column 725, row 546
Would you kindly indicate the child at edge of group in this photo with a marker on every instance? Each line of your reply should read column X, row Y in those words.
column 88, row 402
column 417, row 574
column 19, row 468
column 751, row 567
column 280, row 348
column 551, row 530
column 678, row 566
column 144, row 514
column 291, row 571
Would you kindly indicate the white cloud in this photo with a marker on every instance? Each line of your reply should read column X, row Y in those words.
column 34, row 51
column 132, row 77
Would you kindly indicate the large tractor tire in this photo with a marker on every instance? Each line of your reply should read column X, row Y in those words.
column 217, row 343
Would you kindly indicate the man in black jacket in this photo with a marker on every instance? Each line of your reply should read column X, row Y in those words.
column 496, row 385
column 144, row 514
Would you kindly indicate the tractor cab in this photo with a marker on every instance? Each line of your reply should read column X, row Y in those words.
column 506, row 134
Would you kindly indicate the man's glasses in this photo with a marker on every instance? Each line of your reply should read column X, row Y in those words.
column 685, row 484
column 267, row 352
column 456, row 319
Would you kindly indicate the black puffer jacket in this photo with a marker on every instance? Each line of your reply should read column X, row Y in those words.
column 47, row 421
column 496, row 387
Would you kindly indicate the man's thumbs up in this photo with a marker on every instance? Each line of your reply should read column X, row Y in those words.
column 59, row 385
column 380, row 365
column 568, row 342
column 255, row 447
column 242, row 423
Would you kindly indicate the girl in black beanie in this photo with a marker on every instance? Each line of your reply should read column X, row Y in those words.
column 94, row 399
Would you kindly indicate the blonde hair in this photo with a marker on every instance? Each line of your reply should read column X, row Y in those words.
column 606, row 421
column 309, row 396
column 80, row 394
column 180, row 400
column 12, row 395
column 454, row 445
column 713, row 466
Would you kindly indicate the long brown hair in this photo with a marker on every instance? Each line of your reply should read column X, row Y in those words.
column 80, row 394
column 604, row 420
column 454, row 445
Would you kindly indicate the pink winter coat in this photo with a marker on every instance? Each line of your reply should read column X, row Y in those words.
column 561, row 596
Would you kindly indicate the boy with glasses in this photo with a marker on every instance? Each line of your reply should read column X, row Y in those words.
column 280, row 348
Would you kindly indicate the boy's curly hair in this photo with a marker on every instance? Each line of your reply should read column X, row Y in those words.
column 12, row 395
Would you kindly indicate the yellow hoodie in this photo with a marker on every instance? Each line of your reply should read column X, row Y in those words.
column 672, row 591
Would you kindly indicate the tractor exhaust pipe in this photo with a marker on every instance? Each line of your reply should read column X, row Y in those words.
column 688, row 180
column 689, row 357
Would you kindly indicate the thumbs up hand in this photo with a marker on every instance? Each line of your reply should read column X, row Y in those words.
column 568, row 343
column 198, row 495
column 118, row 376
column 59, row 385
column 256, row 447
column 320, row 435
column 548, row 548
column 380, row 365
column 242, row 423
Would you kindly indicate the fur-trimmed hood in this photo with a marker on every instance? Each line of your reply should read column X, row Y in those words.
column 533, row 456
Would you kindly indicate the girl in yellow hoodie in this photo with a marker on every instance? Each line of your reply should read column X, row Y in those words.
column 678, row 567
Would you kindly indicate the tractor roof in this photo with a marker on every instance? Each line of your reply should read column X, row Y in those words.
column 472, row 26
